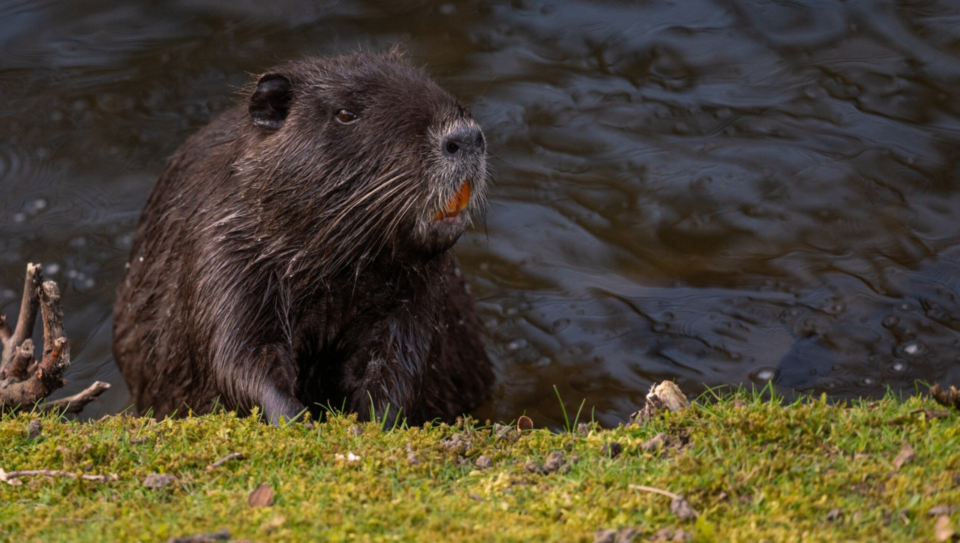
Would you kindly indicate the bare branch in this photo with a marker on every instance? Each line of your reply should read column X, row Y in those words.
column 76, row 403
column 21, row 394
column 28, row 313
column 22, row 359
column 56, row 354
column 24, row 381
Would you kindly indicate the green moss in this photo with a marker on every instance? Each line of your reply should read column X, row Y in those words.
column 754, row 470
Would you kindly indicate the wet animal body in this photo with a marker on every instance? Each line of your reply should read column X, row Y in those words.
column 296, row 252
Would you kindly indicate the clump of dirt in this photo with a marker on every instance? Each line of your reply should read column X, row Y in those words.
column 662, row 444
column 655, row 444
column 949, row 398
column 612, row 449
column 555, row 462
column 623, row 535
column 34, row 429
column 504, row 433
column 158, row 480
column 411, row 456
column 670, row 534
column 457, row 443
column 681, row 507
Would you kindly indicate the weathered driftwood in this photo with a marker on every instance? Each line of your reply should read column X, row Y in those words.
column 25, row 381
column 665, row 395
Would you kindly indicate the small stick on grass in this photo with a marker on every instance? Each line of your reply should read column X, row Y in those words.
column 224, row 460
column 13, row 477
column 668, row 494
column 678, row 504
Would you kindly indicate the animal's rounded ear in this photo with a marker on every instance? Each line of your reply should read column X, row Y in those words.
column 271, row 100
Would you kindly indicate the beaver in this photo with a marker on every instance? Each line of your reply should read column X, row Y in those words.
column 295, row 253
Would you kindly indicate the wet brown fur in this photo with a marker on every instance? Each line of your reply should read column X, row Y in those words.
column 293, row 263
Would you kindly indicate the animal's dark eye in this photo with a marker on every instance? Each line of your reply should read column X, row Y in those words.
column 346, row 117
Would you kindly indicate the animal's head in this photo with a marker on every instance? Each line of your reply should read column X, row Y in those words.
column 364, row 153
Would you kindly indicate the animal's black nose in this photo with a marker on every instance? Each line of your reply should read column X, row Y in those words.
column 465, row 139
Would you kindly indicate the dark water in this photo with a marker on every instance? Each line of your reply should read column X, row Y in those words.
column 719, row 192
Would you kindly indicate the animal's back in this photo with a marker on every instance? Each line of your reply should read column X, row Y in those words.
column 160, row 361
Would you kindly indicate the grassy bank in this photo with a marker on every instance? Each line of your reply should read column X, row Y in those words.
column 751, row 469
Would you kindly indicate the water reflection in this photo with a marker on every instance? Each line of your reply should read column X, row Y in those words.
column 718, row 192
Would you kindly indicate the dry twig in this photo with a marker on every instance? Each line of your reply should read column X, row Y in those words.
column 76, row 403
column 224, row 460
column 678, row 504
column 666, row 493
column 24, row 381
column 13, row 478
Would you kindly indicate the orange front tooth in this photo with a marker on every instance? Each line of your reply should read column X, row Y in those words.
column 464, row 196
column 456, row 203
column 452, row 203
column 460, row 199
